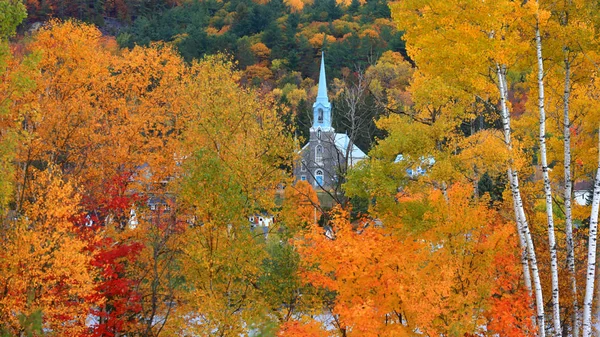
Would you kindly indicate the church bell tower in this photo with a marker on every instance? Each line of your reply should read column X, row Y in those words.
column 322, row 106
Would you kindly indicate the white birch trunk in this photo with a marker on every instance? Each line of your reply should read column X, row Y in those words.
column 520, row 216
column 547, row 187
column 523, row 247
column 568, row 197
column 524, row 260
column 591, row 265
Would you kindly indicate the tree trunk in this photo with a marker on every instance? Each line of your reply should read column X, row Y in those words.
column 524, row 260
column 516, row 193
column 568, row 197
column 591, row 265
column 547, row 187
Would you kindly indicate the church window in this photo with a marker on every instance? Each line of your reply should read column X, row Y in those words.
column 319, row 177
column 319, row 154
column 320, row 116
column 303, row 178
column 319, row 134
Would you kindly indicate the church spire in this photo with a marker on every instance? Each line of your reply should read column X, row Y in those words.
column 322, row 107
column 322, row 93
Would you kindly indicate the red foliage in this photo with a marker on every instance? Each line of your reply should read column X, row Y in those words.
column 121, row 301
column 115, row 289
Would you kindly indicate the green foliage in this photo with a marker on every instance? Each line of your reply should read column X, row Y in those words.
column 95, row 11
column 12, row 12
column 206, row 27
column 280, row 281
column 32, row 325
column 493, row 186
column 207, row 172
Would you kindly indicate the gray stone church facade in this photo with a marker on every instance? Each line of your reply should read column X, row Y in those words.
column 327, row 154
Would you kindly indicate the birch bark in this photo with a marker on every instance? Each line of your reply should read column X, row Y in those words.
column 520, row 211
column 568, row 192
column 524, row 260
column 591, row 265
column 523, row 246
column 547, row 187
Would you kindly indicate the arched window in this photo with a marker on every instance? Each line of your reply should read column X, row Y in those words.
column 320, row 116
column 319, row 177
column 319, row 134
column 319, row 154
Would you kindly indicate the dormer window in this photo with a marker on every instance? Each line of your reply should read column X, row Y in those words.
column 320, row 115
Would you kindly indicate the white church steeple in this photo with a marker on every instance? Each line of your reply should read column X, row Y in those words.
column 322, row 106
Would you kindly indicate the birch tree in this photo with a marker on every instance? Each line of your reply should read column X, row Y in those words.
column 520, row 216
column 547, row 186
column 591, row 264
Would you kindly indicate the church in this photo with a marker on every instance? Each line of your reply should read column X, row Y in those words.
column 327, row 154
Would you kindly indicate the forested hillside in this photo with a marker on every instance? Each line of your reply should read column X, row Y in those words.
column 276, row 44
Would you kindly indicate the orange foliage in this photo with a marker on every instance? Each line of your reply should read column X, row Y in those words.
column 363, row 268
column 103, row 113
column 45, row 266
column 451, row 269
column 301, row 329
column 301, row 205
column 258, row 71
column 370, row 33
column 261, row 51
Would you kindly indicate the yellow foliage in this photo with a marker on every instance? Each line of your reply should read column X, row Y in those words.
column 235, row 144
column 297, row 5
column 317, row 40
column 295, row 96
column 211, row 31
column 349, row 2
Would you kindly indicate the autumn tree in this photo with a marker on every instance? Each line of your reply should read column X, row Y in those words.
column 387, row 282
column 46, row 266
column 235, row 144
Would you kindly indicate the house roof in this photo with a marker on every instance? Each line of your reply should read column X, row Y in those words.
column 341, row 143
column 584, row 185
